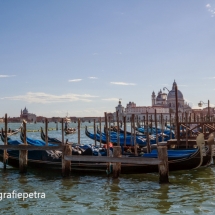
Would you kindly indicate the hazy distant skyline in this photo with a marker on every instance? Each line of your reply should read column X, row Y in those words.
column 81, row 57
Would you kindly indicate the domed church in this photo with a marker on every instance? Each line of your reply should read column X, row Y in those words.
column 168, row 100
column 29, row 117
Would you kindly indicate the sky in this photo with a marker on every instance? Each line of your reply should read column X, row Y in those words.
column 80, row 57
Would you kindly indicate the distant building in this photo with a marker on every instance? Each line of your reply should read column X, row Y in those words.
column 139, row 111
column 199, row 113
column 29, row 117
column 162, row 103
column 168, row 101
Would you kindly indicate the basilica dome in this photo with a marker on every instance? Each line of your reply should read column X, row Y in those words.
column 25, row 111
column 171, row 94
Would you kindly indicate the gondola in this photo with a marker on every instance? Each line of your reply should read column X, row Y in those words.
column 70, row 131
column 34, row 142
column 12, row 132
column 93, row 136
column 139, row 138
column 187, row 160
column 113, row 139
column 127, row 132
column 50, row 139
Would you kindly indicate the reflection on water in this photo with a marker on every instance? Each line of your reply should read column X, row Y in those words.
column 190, row 192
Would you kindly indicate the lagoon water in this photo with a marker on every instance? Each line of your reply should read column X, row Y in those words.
column 189, row 192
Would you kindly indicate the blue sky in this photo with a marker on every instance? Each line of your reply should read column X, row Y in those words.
column 80, row 57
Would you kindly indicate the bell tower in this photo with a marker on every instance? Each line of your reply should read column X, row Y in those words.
column 153, row 98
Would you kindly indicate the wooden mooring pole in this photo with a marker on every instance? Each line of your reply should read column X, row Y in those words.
column 62, row 131
column 164, row 167
column 125, row 129
column 94, row 127
column 162, row 130
column 117, row 152
column 186, row 130
column 147, row 134
column 66, row 165
column 100, row 129
column 156, row 126
column 107, row 141
column 23, row 154
column 5, row 157
column 170, row 123
column 57, row 126
column 46, row 130
column 135, row 144
column 79, row 131
column 117, row 118
column 107, row 135
column 176, row 115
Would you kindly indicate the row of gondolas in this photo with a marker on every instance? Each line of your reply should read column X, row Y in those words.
column 179, row 159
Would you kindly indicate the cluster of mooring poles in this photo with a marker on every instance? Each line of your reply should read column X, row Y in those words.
column 68, row 158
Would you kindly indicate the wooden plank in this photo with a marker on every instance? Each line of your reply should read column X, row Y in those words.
column 190, row 128
column 30, row 147
column 210, row 126
column 105, row 159
column 197, row 122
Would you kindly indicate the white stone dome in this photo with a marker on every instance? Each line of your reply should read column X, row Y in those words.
column 25, row 111
column 171, row 94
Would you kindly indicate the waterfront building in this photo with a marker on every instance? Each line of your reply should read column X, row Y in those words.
column 139, row 111
column 168, row 101
column 29, row 117
column 162, row 102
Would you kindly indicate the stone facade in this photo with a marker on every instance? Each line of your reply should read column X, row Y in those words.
column 162, row 103
column 29, row 117
column 168, row 100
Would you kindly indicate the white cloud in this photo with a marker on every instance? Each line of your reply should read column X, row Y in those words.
column 75, row 80
column 93, row 78
column 95, row 53
column 210, row 10
column 6, row 76
column 43, row 98
column 111, row 99
column 122, row 83
column 209, row 78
